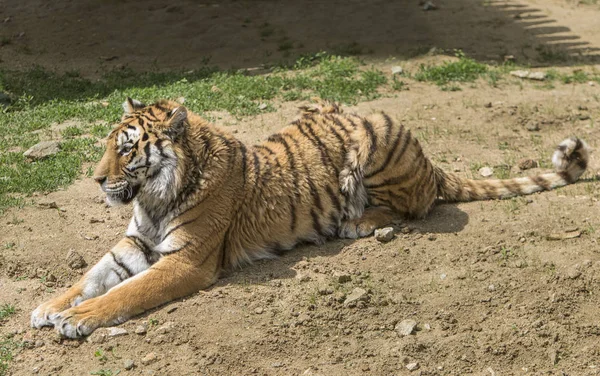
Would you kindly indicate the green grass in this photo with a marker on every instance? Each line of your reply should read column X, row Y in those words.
column 7, row 310
column 105, row 372
column 7, row 347
column 463, row 70
column 41, row 99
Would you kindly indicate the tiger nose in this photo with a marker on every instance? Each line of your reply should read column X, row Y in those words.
column 100, row 179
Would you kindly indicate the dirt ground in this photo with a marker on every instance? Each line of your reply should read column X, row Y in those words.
column 491, row 291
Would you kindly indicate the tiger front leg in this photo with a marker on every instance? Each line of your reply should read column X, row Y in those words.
column 128, row 258
column 173, row 276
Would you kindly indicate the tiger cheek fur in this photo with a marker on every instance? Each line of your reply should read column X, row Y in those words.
column 204, row 202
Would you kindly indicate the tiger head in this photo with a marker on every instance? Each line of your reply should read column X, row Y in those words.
column 141, row 152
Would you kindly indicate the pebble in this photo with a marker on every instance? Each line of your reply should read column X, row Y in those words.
column 303, row 277
column 405, row 327
column 141, row 329
column 358, row 294
column 491, row 288
column 396, row 69
column 149, row 359
column 412, row 366
column 385, row 234
column 277, row 365
column 486, row 172
column 117, row 332
column 262, row 106
column 526, row 164
column 429, row 6
column 538, row 76
column 259, row 310
column 99, row 336
column 42, row 150
column 574, row 273
column 128, row 364
column 165, row 328
column 75, row 260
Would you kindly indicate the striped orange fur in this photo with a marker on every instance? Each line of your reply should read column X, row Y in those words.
column 204, row 202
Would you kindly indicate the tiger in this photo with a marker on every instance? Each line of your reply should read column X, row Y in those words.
column 204, row 202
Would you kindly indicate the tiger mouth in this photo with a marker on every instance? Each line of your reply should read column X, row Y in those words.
column 123, row 192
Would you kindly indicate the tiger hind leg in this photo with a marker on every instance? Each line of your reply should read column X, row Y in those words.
column 371, row 219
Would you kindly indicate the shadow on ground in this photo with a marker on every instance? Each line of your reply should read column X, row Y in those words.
column 96, row 36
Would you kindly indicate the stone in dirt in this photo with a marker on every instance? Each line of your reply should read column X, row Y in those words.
column 526, row 164
column 532, row 126
column 128, row 364
column 165, row 328
column 342, row 277
column 406, row 327
column 149, row 359
column 385, row 234
column 397, row 70
column 141, row 329
column 412, row 366
column 486, row 172
column 538, row 76
column 116, row 332
column 42, row 150
column 356, row 295
column 75, row 260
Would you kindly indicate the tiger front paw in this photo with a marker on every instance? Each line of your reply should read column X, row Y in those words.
column 45, row 314
column 83, row 319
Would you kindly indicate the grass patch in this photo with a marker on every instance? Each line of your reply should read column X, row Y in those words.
column 7, row 310
column 41, row 98
column 7, row 347
column 463, row 70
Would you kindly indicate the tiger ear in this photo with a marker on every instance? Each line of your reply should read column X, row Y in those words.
column 132, row 105
column 175, row 123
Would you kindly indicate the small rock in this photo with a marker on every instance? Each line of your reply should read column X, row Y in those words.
column 39, row 343
column 538, row 76
column 172, row 309
column 396, row 69
column 574, row 273
column 141, row 329
column 303, row 277
column 95, row 220
column 443, row 276
column 429, row 6
column 75, row 260
column 412, row 366
column 99, row 336
column 405, row 327
column 117, row 332
column 520, row 73
column 509, row 58
column 165, row 328
column 553, row 355
column 48, row 205
column 128, row 364
column 431, row 237
column 486, row 172
column 325, row 291
column 356, row 295
column 277, row 365
column 491, row 288
column 526, row 164
column 259, row 310
column 385, row 234
column 149, row 359
column 262, row 106
column 42, row 150
column 532, row 126
column 488, row 105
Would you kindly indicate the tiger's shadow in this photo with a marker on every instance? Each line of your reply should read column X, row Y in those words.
column 444, row 218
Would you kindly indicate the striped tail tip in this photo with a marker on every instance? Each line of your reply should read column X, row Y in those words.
column 571, row 159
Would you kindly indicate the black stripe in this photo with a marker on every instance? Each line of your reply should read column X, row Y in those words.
column 316, row 225
column 338, row 136
column 151, row 112
column 117, row 274
column 404, row 147
column 388, row 126
column 398, row 179
column 243, row 150
column 334, row 199
column 143, row 247
column 177, row 249
column 256, row 165
column 339, row 123
column 325, row 156
column 121, row 265
column 314, row 192
column 391, row 153
column 566, row 177
column 542, row 182
column 179, row 226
